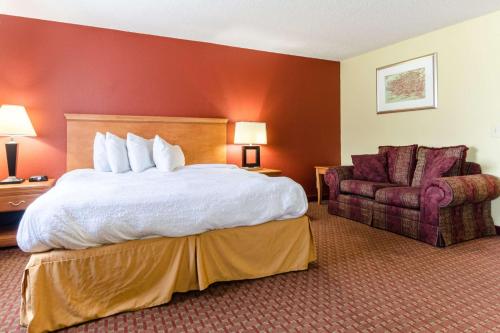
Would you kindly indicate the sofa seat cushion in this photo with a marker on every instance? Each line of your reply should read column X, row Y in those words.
column 405, row 197
column 355, row 200
column 362, row 187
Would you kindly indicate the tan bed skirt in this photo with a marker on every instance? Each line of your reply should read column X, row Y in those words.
column 66, row 287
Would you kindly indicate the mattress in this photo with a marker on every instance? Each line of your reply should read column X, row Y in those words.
column 88, row 208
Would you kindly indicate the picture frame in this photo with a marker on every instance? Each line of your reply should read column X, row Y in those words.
column 408, row 85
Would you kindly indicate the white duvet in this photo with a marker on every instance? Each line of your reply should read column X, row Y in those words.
column 88, row 208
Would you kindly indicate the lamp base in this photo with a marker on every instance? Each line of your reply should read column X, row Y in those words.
column 250, row 156
column 11, row 150
column 11, row 180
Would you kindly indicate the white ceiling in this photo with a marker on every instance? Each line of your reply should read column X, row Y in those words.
column 327, row 29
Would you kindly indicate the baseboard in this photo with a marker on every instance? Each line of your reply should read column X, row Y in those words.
column 312, row 197
column 497, row 228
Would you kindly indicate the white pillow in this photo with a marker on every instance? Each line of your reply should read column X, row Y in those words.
column 140, row 152
column 166, row 156
column 116, row 149
column 100, row 157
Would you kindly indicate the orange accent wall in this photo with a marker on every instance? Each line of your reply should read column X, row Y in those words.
column 56, row 68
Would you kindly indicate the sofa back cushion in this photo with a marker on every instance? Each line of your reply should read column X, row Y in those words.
column 400, row 163
column 437, row 166
column 472, row 168
column 427, row 154
column 370, row 167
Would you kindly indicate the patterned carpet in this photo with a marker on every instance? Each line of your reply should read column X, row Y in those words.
column 365, row 280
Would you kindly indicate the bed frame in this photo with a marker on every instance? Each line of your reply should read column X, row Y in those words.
column 61, row 288
column 203, row 140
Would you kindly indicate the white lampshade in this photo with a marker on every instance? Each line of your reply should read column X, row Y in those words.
column 14, row 121
column 250, row 133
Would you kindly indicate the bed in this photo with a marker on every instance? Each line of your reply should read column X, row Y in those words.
column 97, row 275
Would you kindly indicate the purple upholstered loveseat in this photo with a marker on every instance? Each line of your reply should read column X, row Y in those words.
column 439, row 211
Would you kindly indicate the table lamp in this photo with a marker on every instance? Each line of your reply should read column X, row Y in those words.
column 14, row 121
column 250, row 134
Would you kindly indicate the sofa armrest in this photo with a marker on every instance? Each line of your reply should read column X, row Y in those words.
column 334, row 176
column 450, row 192
column 460, row 190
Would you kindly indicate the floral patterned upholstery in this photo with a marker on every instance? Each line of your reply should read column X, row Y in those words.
column 426, row 154
column 371, row 167
column 456, row 191
column 471, row 168
column 334, row 176
column 403, row 221
column 352, row 207
column 406, row 197
column 448, row 210
column 460, row 206
column 362, row 187
column 401, row 163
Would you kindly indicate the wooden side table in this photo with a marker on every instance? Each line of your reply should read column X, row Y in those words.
column 17, row 197
column 268, row 172
column 320, row 176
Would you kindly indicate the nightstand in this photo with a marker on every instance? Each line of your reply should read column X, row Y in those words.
column 17, row 197
column 320, row 177
column 268, row 172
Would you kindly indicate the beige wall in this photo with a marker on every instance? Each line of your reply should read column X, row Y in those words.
column 468, row 96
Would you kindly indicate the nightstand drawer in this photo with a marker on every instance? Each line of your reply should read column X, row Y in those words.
column 16, row 202
column 16, row 198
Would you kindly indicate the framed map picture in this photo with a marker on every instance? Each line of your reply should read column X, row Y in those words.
column 408, row 85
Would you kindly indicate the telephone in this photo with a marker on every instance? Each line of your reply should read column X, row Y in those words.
column 38, row 178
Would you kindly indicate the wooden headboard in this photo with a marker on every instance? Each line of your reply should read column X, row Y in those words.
column 203, row 140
